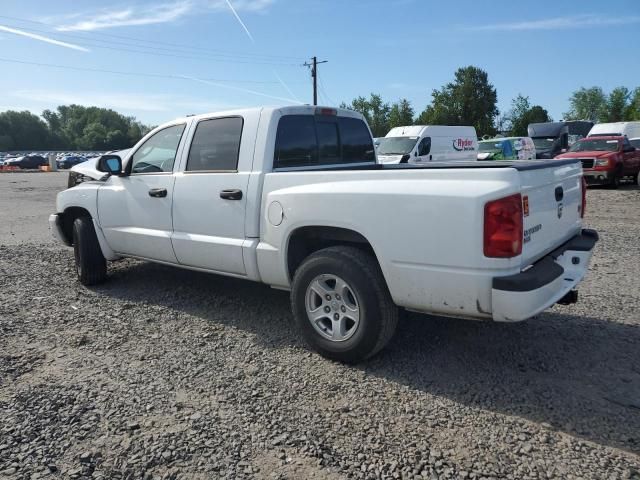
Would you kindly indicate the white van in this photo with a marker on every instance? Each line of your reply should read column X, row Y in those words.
column 630, row 129
column 428, row 143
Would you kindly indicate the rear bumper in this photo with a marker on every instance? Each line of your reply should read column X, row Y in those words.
column 56, row 229
column 524, row 295
column 595, row 176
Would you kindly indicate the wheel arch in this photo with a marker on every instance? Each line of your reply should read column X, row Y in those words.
column 305, row 240
column 68, row 217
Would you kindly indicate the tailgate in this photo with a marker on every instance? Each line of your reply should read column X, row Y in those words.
column 552, row 199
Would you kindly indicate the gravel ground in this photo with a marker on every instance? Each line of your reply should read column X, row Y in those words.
column 163, row 373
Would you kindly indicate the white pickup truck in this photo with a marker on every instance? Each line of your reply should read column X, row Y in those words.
column 293, row 197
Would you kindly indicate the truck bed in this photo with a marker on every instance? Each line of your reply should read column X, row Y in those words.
column 520, row 165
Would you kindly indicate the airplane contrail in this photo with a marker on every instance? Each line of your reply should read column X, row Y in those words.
column 43, row 39
column 235, row 14
column 286, row 87
column 240, row 89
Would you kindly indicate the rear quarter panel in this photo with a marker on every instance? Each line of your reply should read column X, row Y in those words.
column 425, row 227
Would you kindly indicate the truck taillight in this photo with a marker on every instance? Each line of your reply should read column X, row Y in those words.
column 584, row 198
column 503, row 227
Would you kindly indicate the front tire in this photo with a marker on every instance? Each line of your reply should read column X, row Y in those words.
column 341, row 304
column 91, row 265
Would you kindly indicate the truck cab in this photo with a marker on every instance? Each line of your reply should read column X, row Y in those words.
column 606, row 159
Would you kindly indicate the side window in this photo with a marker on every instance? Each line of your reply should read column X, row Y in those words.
column 215, row 145
column 328, row 148
column 357, row 144
column 296, row 142
column 158, row 153
column 425, row 146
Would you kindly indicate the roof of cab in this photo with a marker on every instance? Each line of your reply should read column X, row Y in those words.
column 283, row 110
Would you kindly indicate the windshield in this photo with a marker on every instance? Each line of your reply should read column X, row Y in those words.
column 396, row 145
column 593, row 145
column 492, row 146
column 542, row 143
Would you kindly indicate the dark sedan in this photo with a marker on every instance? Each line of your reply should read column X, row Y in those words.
column 70, row 161
column 28, row 161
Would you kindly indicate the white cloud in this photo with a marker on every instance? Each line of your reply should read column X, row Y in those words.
column 130, row 16
column 42, row 38
column 558, row 23
column 153, row 14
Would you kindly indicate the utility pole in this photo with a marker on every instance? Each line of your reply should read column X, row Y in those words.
column 314, row 75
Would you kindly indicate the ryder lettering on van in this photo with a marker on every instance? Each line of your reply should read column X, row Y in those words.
column 463, row 145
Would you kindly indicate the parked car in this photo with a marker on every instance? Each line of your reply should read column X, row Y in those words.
column 293, row 197
column 507, row 148
column 554, row 138
column 606, row 159
column 88, row 171
column 26, row 162
column 428, row 143
column 69, row 161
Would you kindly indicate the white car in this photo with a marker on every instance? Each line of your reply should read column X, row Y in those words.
column 294, row 197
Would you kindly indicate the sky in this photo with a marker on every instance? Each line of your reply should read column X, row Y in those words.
column 157, row 60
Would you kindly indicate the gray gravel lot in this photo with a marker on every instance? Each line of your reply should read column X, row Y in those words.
column 163, row 373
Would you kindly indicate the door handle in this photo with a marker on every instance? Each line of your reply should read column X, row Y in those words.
column 231, row 194
column 158, row 192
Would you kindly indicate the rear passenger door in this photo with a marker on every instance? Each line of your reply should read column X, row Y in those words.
column 210, row 195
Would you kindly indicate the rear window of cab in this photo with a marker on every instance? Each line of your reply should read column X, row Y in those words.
column 315, row 141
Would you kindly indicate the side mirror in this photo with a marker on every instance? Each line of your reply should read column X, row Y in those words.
column 415, row 154
column 111, row 164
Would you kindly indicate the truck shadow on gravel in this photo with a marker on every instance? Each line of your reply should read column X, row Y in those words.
column 580, row 375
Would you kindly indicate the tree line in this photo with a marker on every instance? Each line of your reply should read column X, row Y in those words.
column 470, row 99
column 69, row 127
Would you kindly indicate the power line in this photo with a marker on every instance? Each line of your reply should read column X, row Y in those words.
column 132, row 74
column 156, row 52
column 324, row 93
column 153, row 43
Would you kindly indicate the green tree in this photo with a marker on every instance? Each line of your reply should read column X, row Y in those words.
column 374, row 110
column 23, row 131
column 617, row 104
column 632, row 112
column 469, row 100
column 587, row 104
column 92, row 128
column 401, row 113
column 522, row 114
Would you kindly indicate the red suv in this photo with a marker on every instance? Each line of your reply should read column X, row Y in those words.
column 606, row 160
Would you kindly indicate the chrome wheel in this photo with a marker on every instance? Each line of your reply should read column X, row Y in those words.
column 332, row 308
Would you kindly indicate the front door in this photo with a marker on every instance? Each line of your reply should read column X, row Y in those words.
column 135, row 209
column 210, row 197
column 424, row 150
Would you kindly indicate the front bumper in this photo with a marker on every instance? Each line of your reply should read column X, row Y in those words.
column 55, row 227
column 595, row 177
column 524, row 295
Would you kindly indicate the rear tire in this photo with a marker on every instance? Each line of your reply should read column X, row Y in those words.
column 362, row 282
column 91, row 265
